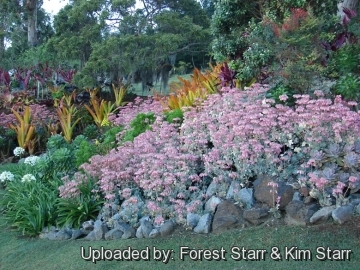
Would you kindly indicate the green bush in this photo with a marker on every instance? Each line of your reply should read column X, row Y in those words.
column 140, row 124
column 344, row 61
column 29, row 206
column 109, row 137
column 60, row 158
column 91, row 131
column 170, row 116
column 8, row 141
column 85, row 151
column 348, row 87
column 281, row 89
column 73, row 211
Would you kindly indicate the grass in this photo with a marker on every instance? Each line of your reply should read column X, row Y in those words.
column 137, row 87
column 17, row 252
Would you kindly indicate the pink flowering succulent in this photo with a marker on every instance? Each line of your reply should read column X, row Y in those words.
column 232, row 136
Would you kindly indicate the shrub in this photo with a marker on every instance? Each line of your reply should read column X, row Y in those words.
column 72, row 211
column 29, row 205
column 59, row 159
column 348, row 86
column 109, row 137
column 153, row 164
column 173, row 116
column 241, row 134
column 140, row 124
column 91, row 131
column 85, row 151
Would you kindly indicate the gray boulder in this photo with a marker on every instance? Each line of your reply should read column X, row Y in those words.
column 113, row 234
column 192, row 219
column 299, row 214
column 211, row 204
column 204, row 224
column 100, row 229
column 228, row 215
column 343, row 213
column 264, row 193
column 167, row 228
column 256, row 216
column 322, row 215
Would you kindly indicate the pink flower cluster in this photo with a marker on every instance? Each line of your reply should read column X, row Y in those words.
column 232, row 136
column 70, row 189
column 154, row 163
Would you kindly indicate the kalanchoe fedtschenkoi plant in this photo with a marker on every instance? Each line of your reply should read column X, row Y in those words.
column 276, row 202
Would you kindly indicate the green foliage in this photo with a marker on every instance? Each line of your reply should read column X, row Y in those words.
column 60, row 158
column 176, row 115
column 29, row 206
column 85, row 151
column 282, row 9
column 348, row 87
column 281, row 89
column 286, row 53
column 227, row 25
column 17, row 169
column 109, row 137
column 7, row 141
column 344, row 61
column 55, row 142
column 140, row 124
column 73, row 211
column 146, row 38
column 91, row 131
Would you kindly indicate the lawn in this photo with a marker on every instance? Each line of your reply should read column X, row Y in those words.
column 225, row 251
column 137, row 88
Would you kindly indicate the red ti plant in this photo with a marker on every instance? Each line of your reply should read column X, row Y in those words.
column 67, row 75
column 5, row 79
column 227, row 76
column 23, row 76
column 345, row 35
column 43, row 73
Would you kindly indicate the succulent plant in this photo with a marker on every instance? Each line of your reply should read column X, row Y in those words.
column 351, row 160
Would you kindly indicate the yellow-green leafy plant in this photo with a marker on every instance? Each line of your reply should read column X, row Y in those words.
column 187, row 93
column 25, row 131
column 100, row 111
column 120, row 93
column 56, row 93
column 66, row 119
column 92, row 92
column 68, row 99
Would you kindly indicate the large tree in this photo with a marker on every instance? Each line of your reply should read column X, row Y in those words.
column 31, row 7
column 8, row 19
column 141, row 40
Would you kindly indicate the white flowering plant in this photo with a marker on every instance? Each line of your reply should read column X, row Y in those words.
column 6, row 176
column 28, row 178
column 32, row 160
column 19, row 151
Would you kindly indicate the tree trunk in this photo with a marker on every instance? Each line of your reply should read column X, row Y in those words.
column 31, row 8
column 2, row 40
column 350, row 4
